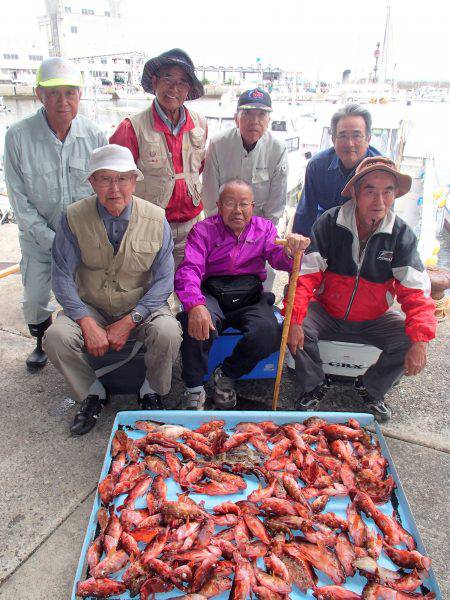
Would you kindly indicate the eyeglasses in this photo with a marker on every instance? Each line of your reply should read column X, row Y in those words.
column 236, row 205
column 355, row 137
column 181, row 84
column 121, row 181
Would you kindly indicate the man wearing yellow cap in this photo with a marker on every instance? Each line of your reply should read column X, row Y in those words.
column 46, row 159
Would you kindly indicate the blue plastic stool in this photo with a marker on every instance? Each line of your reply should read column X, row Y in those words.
column 223, row 347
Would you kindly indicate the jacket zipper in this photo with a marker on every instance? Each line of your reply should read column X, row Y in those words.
column 352, row 297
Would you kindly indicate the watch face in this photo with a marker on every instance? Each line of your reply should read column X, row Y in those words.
column 136, row 317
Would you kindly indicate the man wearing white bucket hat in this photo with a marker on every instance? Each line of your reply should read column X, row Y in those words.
column 46, row 157
column 112, row 273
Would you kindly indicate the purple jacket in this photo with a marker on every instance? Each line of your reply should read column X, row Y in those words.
column 213, row 249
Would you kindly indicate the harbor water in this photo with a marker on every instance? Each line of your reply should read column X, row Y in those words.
column 427, row 135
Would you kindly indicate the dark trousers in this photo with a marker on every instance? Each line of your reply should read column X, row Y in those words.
column 261, row 336
column 387, row 333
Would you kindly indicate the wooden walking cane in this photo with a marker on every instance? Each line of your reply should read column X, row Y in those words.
column 287, row 320
column 9, row 271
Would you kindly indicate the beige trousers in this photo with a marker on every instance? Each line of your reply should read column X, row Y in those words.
column 160, row 333
column 180, row 232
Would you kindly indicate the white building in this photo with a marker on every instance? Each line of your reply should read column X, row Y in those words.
column 77, row 28
column 21, row 51
column 118, row 68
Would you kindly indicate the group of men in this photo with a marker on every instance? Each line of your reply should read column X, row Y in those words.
column 114, row 257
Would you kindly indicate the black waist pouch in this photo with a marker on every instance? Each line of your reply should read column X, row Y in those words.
column 234, row 291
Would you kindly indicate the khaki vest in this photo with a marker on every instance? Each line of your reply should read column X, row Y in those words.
column 115, row 284
column 156, row 164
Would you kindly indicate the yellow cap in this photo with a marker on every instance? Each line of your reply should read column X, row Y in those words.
column 58, row 71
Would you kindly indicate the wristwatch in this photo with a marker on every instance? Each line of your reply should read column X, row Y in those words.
column 136, row 317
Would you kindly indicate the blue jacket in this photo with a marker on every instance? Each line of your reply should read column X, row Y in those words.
column 324, row 181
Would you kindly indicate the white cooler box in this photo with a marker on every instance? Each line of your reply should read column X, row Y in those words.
column 343, row 359
column 346, row 359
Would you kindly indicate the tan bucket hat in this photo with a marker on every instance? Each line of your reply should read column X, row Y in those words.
column 378, row 163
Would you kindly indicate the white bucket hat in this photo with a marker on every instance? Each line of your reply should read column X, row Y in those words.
column 114, row 158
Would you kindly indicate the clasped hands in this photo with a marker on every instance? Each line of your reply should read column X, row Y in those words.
column 99, row 340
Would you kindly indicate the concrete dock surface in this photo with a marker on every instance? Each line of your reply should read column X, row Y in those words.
column 49, row 477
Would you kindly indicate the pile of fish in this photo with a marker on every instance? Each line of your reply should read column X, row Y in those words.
column 264, row 545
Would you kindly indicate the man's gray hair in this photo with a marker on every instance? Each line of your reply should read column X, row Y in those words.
column 351, row 110
column 234, row 182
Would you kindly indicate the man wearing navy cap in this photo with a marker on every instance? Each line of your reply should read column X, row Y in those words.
column 248, row 152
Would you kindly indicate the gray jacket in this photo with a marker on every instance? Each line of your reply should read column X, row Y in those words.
column 44, row 175
column 265, row 168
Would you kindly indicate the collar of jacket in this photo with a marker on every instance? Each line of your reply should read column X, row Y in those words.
column 159, row 125
column 334, row 164
column 347, row 218
column 259, row 143
column 75, row 131
column 106, row 216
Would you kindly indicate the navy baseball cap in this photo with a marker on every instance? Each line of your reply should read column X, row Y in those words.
column 255, row 98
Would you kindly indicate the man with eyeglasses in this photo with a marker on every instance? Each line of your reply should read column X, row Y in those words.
column 249, row 152
column 219, row 284
column 112, row 274
column 46, row 158
column 328, row 171
column 168, row 143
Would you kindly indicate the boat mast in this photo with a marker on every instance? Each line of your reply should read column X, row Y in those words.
column 387, row 71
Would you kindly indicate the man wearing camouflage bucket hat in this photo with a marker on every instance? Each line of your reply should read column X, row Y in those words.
column 168, row 143
column 46, row 159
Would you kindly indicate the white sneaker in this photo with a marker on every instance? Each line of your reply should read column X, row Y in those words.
column 193, row 400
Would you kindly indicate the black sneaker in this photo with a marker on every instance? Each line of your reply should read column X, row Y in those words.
column 312, row 399
column 150, row 402
column 86, row 417
column 379, row 408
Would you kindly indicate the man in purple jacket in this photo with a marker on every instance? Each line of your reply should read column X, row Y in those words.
column 219, row 284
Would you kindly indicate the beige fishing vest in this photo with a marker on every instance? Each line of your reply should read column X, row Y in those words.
column 115, row 284
column 155, row 160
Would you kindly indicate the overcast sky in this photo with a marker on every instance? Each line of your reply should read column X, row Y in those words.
column 319, row 38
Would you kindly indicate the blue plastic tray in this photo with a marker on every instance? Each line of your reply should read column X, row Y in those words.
column 338, row 505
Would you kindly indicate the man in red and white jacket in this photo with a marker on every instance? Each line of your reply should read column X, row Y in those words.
column 362, row 256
